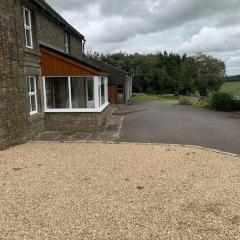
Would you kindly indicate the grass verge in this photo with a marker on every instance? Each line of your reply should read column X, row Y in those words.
column 157, row 98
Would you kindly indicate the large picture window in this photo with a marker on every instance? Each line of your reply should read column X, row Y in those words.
column 32, row 95
column 75, row 94
column 27, row 19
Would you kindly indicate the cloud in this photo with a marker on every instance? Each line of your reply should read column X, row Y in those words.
column 155, row 25
column 212, row 39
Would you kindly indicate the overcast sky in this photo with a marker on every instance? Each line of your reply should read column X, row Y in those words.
column 191, row 26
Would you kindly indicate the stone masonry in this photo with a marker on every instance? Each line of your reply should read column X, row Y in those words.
column 17, row 62
column 13, row 102
column 77, row 122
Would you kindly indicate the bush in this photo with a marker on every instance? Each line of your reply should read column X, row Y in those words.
column 223, row 102
column 185, row 101
column 203, row 104
column 236, row 105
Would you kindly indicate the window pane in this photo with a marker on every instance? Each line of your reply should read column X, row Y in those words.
column 32, row 85
column 90, row 93
column 33, row 106
column 78, row 91
column 27, row 18
column 102, row 91
column 57, row 93
column 28, row 38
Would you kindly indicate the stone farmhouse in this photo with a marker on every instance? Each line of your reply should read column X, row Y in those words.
column 46, row 83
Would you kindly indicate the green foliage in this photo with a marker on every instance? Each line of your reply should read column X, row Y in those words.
column 202, row 73
column 203, row 104
column 222, row 102
column 169, row 73
column 232, row 79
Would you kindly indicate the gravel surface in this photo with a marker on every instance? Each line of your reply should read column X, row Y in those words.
column 118, row 191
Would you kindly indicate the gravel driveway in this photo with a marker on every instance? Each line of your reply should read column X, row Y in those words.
column 118, row 191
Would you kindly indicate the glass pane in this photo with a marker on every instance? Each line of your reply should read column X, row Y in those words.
column 33, row 106
column 102, row 91
column 90, row 93
column 32, row 84
column 27, row 18
column 57, row 93
column 28, row 38
column 78, row 91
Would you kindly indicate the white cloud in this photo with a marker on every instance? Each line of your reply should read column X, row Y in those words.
column 212, row 39
column 211, row 26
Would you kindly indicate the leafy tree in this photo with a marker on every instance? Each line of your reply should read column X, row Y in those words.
column 210, row 74
column 168, row 73
column 188, row 77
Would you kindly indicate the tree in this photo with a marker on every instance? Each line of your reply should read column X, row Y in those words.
column 188, row 77
column 210, row 74
column 168, row 73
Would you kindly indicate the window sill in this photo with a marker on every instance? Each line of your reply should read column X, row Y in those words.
column 80, row 110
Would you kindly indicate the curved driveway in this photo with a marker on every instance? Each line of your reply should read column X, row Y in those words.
column 175, row 124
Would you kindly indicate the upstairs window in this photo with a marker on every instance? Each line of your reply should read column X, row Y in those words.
column 32, row 95
column 66, row 42
column 27, row 19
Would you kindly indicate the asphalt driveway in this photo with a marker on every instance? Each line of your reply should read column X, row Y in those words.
column 175, row 124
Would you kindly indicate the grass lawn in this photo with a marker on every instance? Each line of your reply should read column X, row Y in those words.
column 157, row 98
column 232, row 88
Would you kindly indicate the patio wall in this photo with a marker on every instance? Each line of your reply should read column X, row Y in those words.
column 77, row 122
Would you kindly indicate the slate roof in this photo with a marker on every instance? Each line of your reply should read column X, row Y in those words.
column 117, row 76
column 46, row 7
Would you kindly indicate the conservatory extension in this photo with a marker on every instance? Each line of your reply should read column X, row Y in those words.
column 75, row 94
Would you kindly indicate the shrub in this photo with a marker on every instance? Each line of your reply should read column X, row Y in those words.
column 203, row 104
column 222, row 102
column 185, row 101
column 236, row 105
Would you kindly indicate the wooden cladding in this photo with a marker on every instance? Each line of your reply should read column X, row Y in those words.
column 54, row 64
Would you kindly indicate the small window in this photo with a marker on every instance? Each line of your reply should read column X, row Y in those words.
column 32, row 95
column 66, row 40
column 28, row 28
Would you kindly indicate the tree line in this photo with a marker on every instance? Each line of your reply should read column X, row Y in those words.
column 169, row 73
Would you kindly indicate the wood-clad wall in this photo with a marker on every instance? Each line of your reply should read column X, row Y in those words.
column 54, row 64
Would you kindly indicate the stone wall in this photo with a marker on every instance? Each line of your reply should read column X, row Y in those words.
column 13, row 102
column 77, row 122
column 49, row 31
column 17, row 62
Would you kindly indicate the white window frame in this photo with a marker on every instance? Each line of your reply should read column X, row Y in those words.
column 28, row 27
column 66, row 41
column 30, row 94
column 97, row 100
